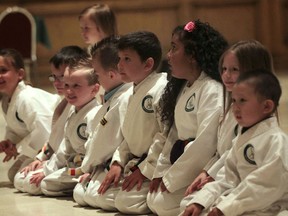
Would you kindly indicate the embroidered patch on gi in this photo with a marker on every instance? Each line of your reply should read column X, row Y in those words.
column 18, row 118
column 190, row 104
column 249, row 154
column 147, row 104
column 81, row 131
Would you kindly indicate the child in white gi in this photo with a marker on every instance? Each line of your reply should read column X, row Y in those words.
column 253, row 180
column 125, row 186
column 81, row 87
column 191, row 106
column 107, row 135
column 28, row 112
column 26, row 180
column 239, row 58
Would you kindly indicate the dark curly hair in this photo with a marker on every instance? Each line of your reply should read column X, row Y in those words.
column 206, row 45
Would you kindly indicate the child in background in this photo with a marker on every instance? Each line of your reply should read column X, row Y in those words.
column 239, row 58
column 25, row 180
column 125, row 186
column 81, row 87
column 191, row 106
column 28, row 113
column 253, row 180
column 97, row 22
column 107, row 135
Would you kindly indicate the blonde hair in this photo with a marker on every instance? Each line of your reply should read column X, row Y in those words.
column 103, row 16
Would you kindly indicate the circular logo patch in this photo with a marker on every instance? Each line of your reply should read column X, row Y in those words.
column 18, row 118
column 81, row 131
column 249, row 154
column 147, row 104
column 190, row 104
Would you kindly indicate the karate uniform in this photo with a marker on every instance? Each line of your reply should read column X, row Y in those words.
column 60, row 115
column 228, row 130
column 254, row 178
column 106, row 137
column 143, row 133
column 28, row 122
column 197, row 114
column 59, row 181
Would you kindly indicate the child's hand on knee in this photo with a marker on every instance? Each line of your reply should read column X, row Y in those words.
column 193, row 210
column 2, row 146
column 215, row 212
column 10, row 151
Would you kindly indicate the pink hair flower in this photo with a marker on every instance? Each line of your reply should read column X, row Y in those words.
column 190, row 26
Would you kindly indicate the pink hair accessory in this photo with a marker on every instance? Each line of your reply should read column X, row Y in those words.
column 190, row 26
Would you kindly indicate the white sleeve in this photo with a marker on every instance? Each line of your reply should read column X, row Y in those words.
column 163, row 162
column 148, row 165
column 38, row 124
column 258, row 190
column 217, row 165
column 213, row 190
column 122, row 154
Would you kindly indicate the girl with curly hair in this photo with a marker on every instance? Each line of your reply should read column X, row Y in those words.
column 190, row 106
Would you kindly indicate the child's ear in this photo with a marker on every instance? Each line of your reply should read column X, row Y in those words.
column 21, row 74
column 268, row 106
column 149, row 64
column 96, row 88
column 111, row 73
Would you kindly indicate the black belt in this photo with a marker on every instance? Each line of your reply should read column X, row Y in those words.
column 178, row 149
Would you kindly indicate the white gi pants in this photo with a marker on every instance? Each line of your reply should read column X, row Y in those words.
column 58, row 183
column 20, row 163
column 165, row 204
column 114, row 199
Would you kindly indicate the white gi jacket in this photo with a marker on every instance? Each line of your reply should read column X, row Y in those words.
column 254, row 178
column 28, row 118
column 142, row 128
column 228, row 130
column 77, row 130
column 107, row 135
column 197, row 115
column 57, row 132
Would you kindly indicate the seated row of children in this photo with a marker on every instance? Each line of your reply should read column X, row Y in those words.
column 202, row 139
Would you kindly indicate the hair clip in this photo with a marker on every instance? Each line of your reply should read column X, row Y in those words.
column 190, row 26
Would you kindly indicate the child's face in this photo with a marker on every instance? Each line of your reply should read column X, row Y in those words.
column 90, row 33
column 130, row 66
column 230, row 70
column 9, row 76
column 247, row 107
column 77, row 91
column 179, row 62
column 58, row 74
